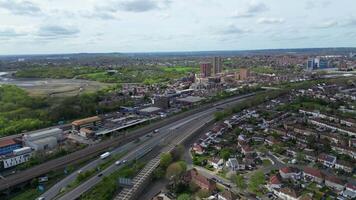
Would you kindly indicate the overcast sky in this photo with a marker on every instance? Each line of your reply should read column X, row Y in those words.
column 70, row 26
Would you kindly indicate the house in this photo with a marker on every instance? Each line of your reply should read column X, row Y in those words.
column 234, row 165
column 350, row 191
column 290, row 172
column 344, row 165
column 327, row 160
column 227, row 195
column 198, row 149
column 216, row 162
column 200, row 180
column 271, row 140
column 247, row 150
column 288, row 193
column 162, row 196
column 334, row 182
column 313, row 174
column 275, row 182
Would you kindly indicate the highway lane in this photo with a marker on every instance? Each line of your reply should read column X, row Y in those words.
column 190, row 122
column 165, row 134
column 55, row 189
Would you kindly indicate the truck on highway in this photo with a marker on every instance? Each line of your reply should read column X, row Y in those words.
column 105, row 155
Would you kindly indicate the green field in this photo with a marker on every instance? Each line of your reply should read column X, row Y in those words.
column 146, row 75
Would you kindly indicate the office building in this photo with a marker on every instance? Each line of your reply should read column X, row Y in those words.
column 17, row 157
column 317, row 63
column 205, row 69
column 217, row 66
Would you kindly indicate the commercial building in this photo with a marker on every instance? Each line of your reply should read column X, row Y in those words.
column 217, row 68
column 205, row 69
column 317, row 63
column 83, row 123
column 190, row 100
column 161, row 101
column 7, row 146
column 43, row 140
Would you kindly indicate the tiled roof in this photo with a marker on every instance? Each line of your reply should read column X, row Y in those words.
column 313, row 172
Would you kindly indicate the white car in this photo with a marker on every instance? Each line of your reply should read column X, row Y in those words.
column 40, row 198
column 118, row 162
column 124, row 161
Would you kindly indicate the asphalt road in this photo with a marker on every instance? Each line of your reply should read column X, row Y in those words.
column 169, row 135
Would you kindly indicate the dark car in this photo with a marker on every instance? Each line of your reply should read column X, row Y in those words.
column 99, row 175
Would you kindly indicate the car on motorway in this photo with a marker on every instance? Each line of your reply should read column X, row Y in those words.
column 79, row 171
column 124, row 161
column 118, row 162
column 100, row 175
column 40, row 198
column 156, row 131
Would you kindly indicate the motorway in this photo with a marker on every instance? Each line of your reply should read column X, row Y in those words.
column 170, row 135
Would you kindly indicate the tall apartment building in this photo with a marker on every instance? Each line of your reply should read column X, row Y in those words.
column 217, row 65
column 205, row 69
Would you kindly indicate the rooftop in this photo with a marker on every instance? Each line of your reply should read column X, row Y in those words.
column 7, row 142
column 86, row 121
column 191, row 99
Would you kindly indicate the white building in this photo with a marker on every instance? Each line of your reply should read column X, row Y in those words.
column 21, row 155
column 43, row 140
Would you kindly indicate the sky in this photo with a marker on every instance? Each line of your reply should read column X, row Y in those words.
column 74, row 26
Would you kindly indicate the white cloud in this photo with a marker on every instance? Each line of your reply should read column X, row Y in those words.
column 266, row 20
column 327, row 24
column 20, row 7
column 253, row 8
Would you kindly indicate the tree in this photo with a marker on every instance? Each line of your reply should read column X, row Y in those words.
column 175, row 169
column 184, row 197
column 239, row 181
column 225, row 153
column 178, row 152
column 203, row 193
column 166, row 159
column 256, row 181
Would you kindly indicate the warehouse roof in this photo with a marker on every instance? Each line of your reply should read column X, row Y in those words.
column 7, row 142
column 86, row 121
column 150, row 109
column 191, row 99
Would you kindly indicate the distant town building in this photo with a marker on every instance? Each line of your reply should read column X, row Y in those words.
column 317, row 63
column 244, row 74
column 205, row 69
column 217, row 65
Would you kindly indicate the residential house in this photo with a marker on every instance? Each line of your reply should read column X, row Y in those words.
column 216, row 162
column 247, row 150
column 275, row 182
column 234, row 165
column 313, row 174
column 271, row 140
column 227, row 195
column 198, row 149
column 350, row 191
column 344, row 165
column 334, row 182
column 200, row 180
column 327, row 160
column 290, row 172
column 288, row 193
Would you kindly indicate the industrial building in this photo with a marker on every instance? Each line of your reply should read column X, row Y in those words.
column 149, row 110
column 43, row 140
column 7, row 146
column 18, row 156
column 87, row 122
